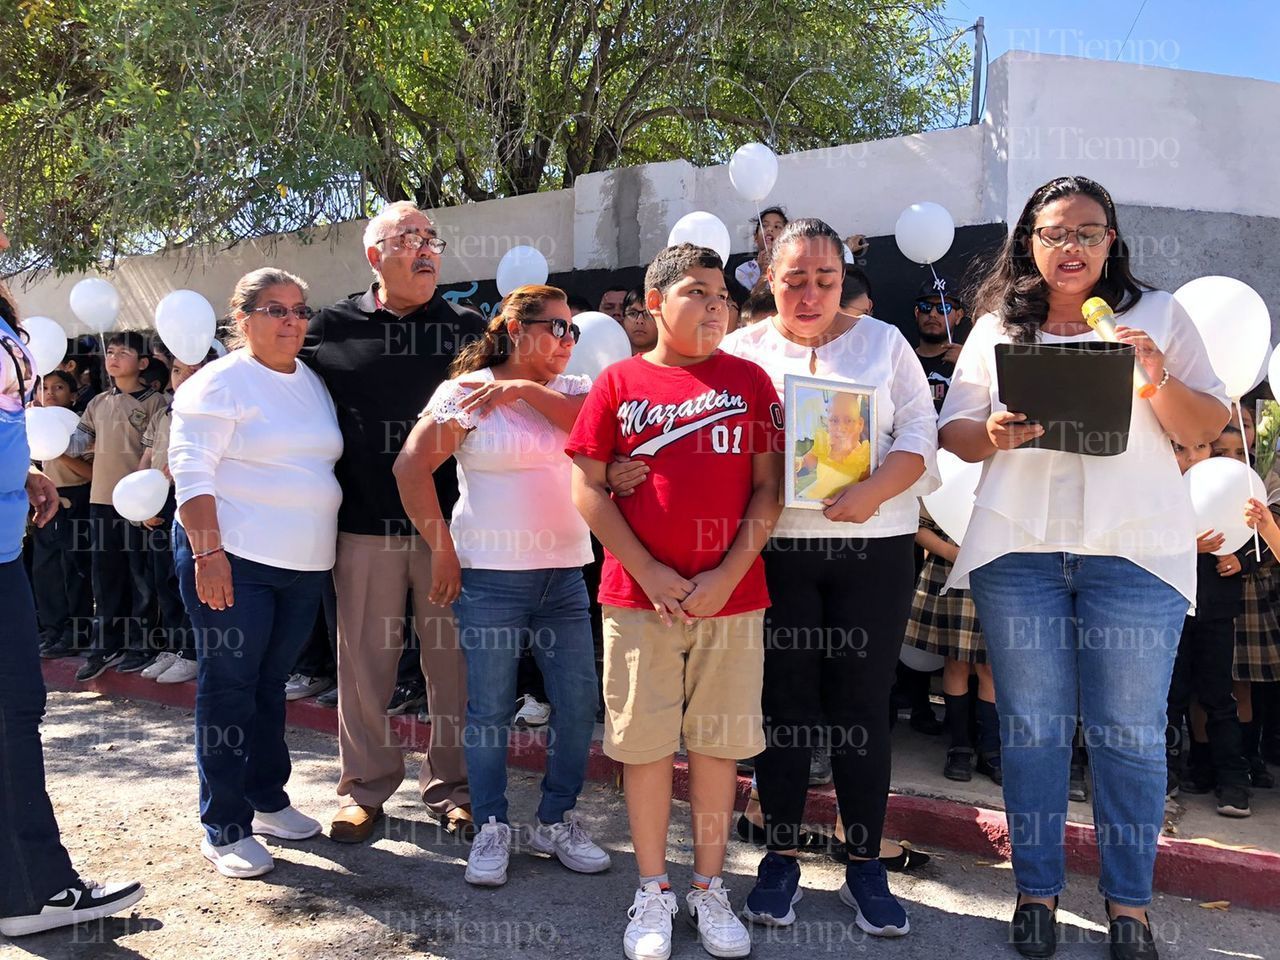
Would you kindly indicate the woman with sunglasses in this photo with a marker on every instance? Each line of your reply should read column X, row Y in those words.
column 252, row 448
column 1082, row 567
column 511, row 563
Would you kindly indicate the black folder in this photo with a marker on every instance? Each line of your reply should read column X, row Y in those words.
column 1081, row 393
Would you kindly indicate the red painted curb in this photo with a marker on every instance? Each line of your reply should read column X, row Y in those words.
column 1185, row 868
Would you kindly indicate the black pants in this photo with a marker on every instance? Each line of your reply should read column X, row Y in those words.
column 174, row 633
column 831, row 641
column 36, row 865
column 1203, row 670
column 61, row 572
column 121, row 587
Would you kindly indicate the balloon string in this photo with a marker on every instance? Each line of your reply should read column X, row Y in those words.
column 1244, row 442
column 942, row 292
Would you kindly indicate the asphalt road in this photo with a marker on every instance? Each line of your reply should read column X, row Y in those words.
column 123, row 781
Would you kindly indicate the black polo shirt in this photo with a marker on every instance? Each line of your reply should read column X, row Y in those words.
column 381, row 368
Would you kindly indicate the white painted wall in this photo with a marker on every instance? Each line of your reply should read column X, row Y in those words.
column 1154, row 137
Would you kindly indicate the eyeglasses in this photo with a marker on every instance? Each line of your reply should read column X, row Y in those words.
column 943, row 307
column 413, row 242
column 1087, row 235
column 277, row 311
column 559, row 328
column 635, row 315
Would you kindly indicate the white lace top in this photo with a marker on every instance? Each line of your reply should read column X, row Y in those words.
column 514, row 509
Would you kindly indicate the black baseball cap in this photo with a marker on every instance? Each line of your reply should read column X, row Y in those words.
column 944, row 284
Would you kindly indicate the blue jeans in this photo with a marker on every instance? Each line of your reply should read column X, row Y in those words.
column 499, row 612
column 244, row 655
column 1096, row 636
column 36, row 865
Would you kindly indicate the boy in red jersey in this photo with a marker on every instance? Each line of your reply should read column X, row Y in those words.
column 683, row 586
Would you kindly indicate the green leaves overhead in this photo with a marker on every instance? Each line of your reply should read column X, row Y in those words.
column 132, row 125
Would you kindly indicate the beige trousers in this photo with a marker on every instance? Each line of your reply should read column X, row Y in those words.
column 373, row 576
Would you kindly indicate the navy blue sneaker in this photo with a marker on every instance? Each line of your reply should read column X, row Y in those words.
column 777, row 889
column 866, row 889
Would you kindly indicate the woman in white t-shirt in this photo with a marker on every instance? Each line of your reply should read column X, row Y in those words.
column 251, row 450
column 840, row 578
column 1082, row 567
column 511, row 562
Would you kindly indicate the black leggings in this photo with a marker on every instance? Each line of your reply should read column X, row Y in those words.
column 831, row 641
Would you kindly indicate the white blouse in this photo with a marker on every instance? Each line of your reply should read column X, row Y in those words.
column 875, row 354
column 1134, row 505
column 263, row 445
column 514, row 510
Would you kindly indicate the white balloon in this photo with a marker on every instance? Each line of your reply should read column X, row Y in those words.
column 219, row 348
column 186, row 323
column 47, row 342
column 603, row 342
column 951, row 505
column 47, row 433
column 1219, row 489
column 702, row 230
column 924, row 232
column 1234, row 324
column 753, row 171
column 65, row 416
column 519, row 267
column 140, row 495
column 96, row 303
column 921, row 660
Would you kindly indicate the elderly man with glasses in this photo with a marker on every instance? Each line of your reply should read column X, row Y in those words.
column 382, row 353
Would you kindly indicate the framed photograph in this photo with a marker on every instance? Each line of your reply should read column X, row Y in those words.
column 830, row 438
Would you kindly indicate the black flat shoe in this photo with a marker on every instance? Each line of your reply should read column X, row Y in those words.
column 909, row 859
column 1130, row 938
column 810, row 842
column 1034, row 930
column 959, row 764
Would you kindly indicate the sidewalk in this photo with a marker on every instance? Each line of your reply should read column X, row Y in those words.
column 1203, row 856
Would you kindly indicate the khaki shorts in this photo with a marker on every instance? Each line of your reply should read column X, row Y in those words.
column 702, row 680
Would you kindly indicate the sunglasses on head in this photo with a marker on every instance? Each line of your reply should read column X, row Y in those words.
column 278, row 311
column 559, row 328
column 943, row 307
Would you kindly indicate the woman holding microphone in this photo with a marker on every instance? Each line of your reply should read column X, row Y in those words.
column 1082, row 567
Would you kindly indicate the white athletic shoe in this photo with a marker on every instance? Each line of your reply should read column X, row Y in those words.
column 286, row 824
column 570, row 843
column 648, row 935
column 158, row 666
column 299, row 686
column 532, row 712
column 240, row 860
column 180, row 671
column 79, row 903
column 490, row 854
column 721, row 932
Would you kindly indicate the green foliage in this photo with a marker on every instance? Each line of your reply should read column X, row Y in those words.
column 132, row 125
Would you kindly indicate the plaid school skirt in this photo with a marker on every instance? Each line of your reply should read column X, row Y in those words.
column 1258, row 628
column 944, row 624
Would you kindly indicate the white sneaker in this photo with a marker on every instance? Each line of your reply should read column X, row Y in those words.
column 158, row 666
column 532, row 712
column 648, row 935
column 299, row 686
column 286, row 824
column 571, row 845
column 721, row 932
column 490, row 853
column 245, row 858
column 180, row 671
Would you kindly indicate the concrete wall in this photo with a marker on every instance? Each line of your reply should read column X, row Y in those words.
column 1188, row 158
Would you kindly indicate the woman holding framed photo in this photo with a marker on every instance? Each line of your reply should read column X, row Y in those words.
column 839, row 567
